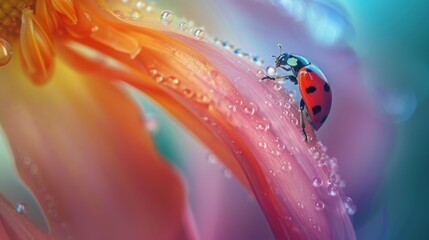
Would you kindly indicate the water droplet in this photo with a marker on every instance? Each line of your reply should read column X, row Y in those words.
column 281, row 146
column 277, row 86
column 316, row 155
column 212, row 158
column 272, row 172
column 317, row 182
column 250, row 109
column 95, row 28
column 140, row 4
column 149, row 8
column 153, row 71
column 300, row 205
column 271, row 71
column 350, row 206
column 167, row 17
column 317, row 227
column 319, row 205
column 21, row 208
column 294, row 121
column 150, row 123
column 275, row 153
column 200, row 33
column 333, row 165
column 5, row 52
column 187, row 93
column 135, row 14
column 292, row 93
column 262, row 144
column 264, row 125
column 159, row 78
column 260, row 73
column 183, row 26
column 227, row 173
column 287, row 105
column 287, row 167
column 333, row 189
column 173, row 80
column 334, row 178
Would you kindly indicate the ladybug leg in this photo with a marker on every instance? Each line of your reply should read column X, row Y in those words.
column 301, row 118
column 268, row 78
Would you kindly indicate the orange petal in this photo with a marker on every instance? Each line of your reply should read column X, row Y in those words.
column 89, row 160
column 36, row 48
column 66, row 8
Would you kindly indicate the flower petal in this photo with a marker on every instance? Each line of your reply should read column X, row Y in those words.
column 226, row 109
column 16, row 227
column 82, row 149
column 36, row 48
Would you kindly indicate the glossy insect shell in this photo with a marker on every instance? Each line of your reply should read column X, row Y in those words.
column 316, row 94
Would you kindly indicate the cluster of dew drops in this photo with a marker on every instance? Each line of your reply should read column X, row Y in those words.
column 334, row 184
column 167, row 17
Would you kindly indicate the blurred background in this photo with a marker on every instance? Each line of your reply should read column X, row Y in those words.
column 375, row 56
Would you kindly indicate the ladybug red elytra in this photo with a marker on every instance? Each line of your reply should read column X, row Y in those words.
column 315, row 91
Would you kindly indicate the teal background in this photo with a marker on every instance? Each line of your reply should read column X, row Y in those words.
column 395, row 36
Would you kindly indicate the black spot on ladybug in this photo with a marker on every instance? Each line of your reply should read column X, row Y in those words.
column 323, row 120
column 309, row 70
column 310, row 89
column 326, row 87
column 316, row 109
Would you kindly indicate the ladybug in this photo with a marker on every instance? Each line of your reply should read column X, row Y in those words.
column 315, row 91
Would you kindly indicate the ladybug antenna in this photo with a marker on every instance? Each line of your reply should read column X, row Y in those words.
column 280, row 48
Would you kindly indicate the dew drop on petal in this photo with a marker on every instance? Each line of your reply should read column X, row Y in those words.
column 350, row 206
column 167, row 17
column 140, row 4
column 200, row 33
column 271, row 71
column 5, row 52
column 333, row 189
column 319, row 205
column 250, row 109
column 281, row 146
column 211, row 158
column 317, row 182
column 21, row 208
column 135, row 14
column 149, row 8
column 187, row 93
column 287, row 167
column 260, row 73
column 277, row 86
column 300, row 205
column 317, row 227
column 262, row 145
column 183, row 26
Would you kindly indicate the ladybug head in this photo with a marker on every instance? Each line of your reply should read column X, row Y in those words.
column 290, row 61
column 281, row 60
